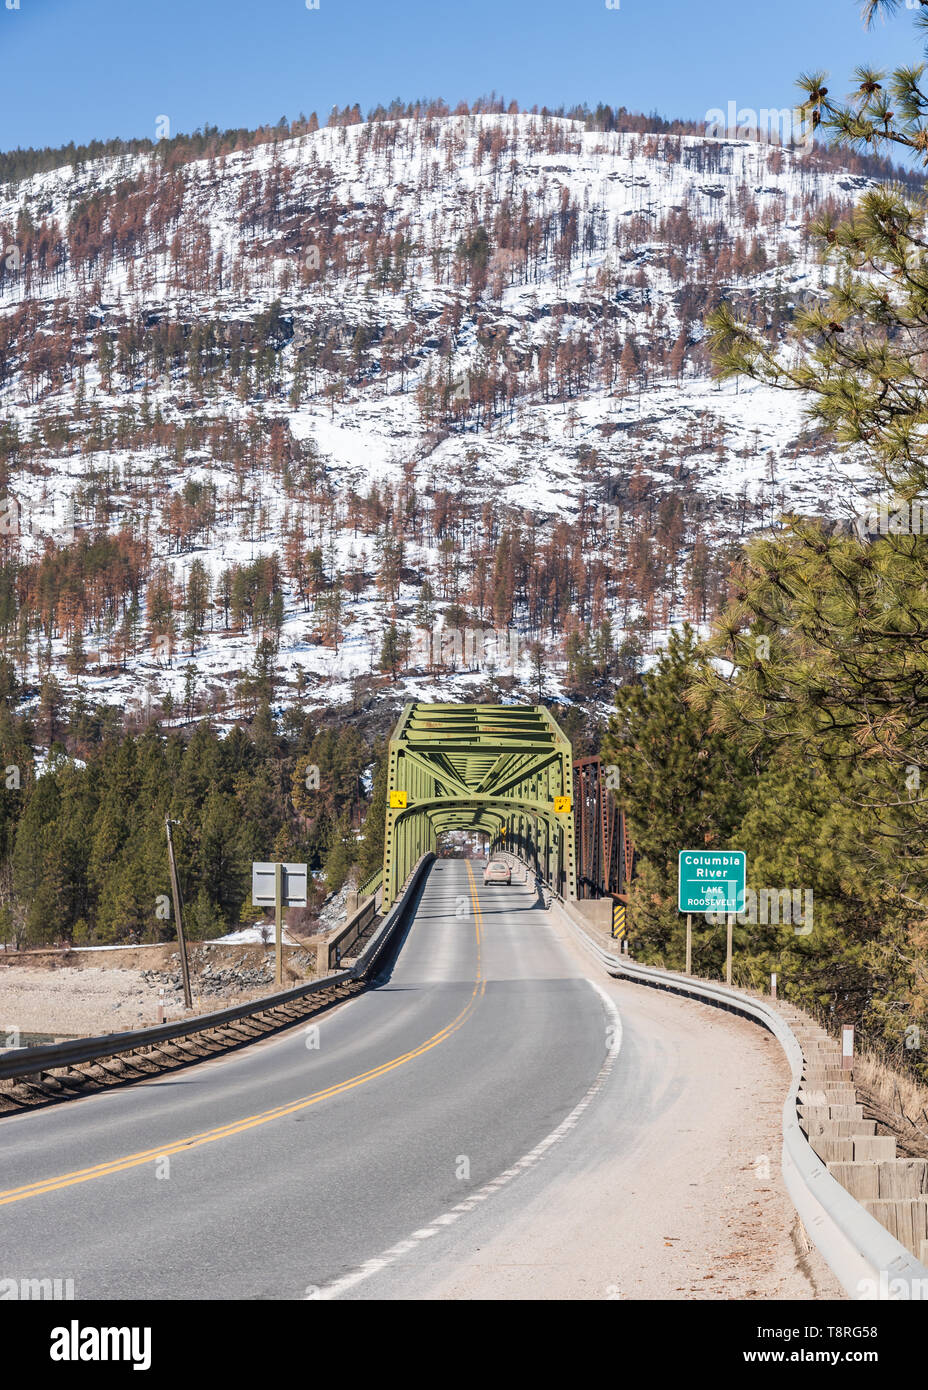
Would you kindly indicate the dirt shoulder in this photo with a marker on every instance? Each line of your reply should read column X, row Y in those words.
column 92, row 997
column 671, row 1189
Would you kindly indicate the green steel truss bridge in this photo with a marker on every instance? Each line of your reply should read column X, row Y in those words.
column 502, row 769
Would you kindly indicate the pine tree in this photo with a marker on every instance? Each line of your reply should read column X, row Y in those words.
column 38, row 868
column 203, row 917
column 219, row 865
column 628, row 362
column 678, row 353
column 77, row 657
column 341, row 855
column 826, row 634
column 197, row 600
column 394, row 649
column 372, row 838
column 822, row 650
column 536, row 653
column 425, row 609
column 682, row 786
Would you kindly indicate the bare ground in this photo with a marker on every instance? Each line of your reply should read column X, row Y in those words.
column 72, row 1002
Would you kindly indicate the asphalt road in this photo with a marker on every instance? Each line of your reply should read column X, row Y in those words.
column 473, row 1048
column 376, row 1153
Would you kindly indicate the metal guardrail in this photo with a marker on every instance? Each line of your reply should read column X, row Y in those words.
column 32, row 1061
column 369, row 887
column 394, row 918
column 866, row 1259
column 341, row 938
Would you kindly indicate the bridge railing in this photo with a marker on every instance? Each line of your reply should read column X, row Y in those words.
column 368, row 887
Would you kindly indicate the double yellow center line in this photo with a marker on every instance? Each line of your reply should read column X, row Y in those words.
column 210, row 1136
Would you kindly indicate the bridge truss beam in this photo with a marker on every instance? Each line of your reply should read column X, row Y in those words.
column 506, row 770
column 605, row 854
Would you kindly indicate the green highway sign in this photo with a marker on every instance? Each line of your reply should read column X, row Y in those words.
column 711, row 880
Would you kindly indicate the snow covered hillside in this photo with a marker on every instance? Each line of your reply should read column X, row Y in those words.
column 268, row 417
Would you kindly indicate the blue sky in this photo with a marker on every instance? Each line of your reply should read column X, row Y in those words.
column 79, row 69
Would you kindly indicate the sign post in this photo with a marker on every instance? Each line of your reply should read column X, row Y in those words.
column 711, row 881
column 278, row 886
column 728, row 937
column 278, row 924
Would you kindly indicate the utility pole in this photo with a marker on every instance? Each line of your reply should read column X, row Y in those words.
column 178, row 913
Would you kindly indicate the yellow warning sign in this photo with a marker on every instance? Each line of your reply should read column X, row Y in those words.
column 398, row 801
column 562, row 805
column 618, row 921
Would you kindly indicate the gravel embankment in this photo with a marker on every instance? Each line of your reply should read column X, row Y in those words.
column 71, row 1002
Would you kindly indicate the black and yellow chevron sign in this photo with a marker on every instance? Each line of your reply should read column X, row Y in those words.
column 618, row 921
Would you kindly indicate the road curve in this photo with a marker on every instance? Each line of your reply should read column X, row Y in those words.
column 466, row 1128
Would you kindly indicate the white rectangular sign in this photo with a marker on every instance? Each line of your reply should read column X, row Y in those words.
column 847, row 1045
column 293, row 883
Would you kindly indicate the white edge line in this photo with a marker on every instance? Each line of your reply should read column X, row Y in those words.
column 367, row 1270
